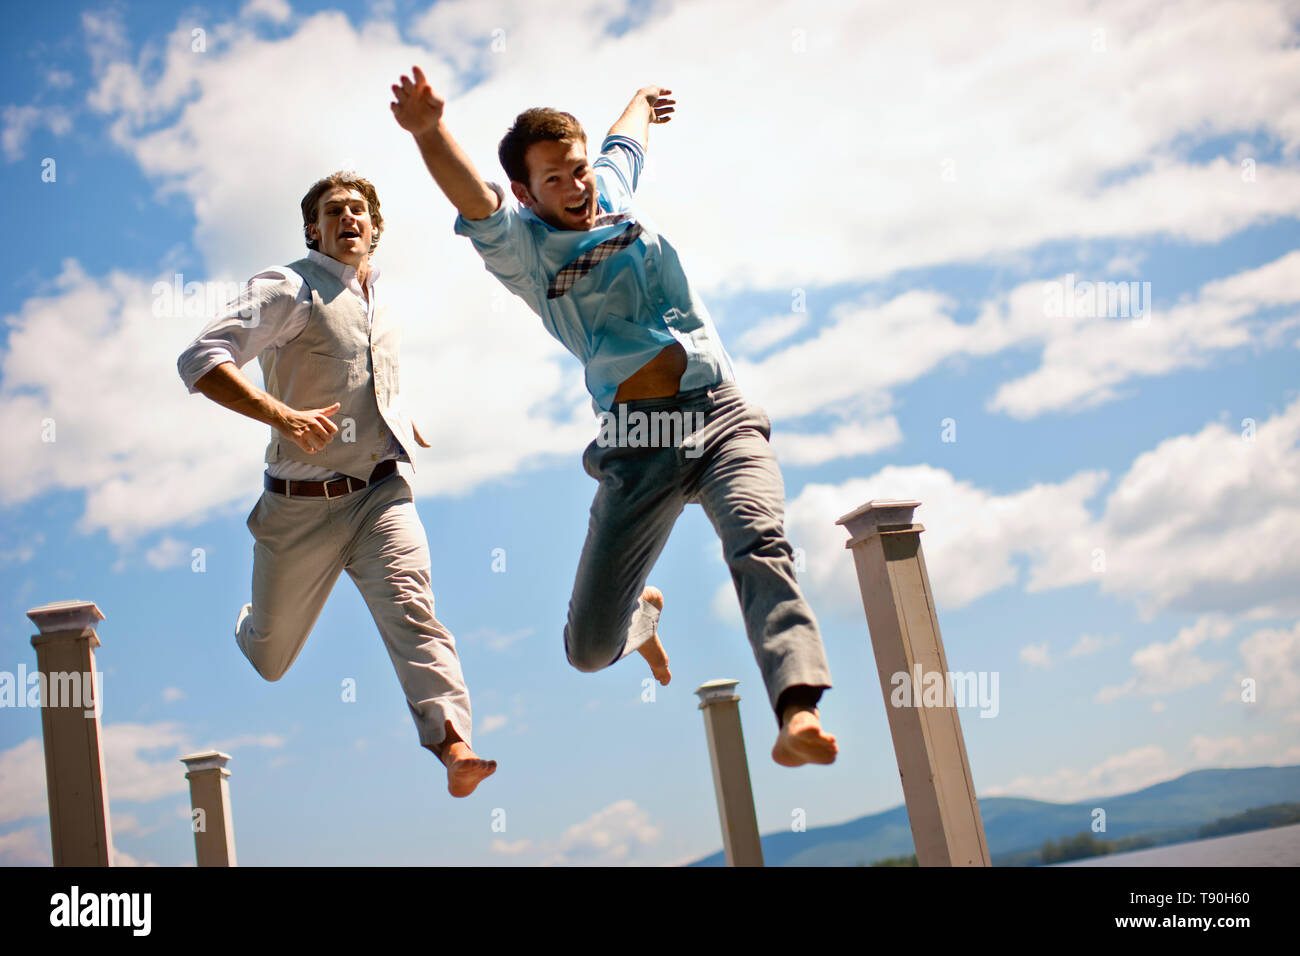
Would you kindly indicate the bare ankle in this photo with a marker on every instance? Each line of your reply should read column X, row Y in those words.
column 793, row 709
column 445, row 750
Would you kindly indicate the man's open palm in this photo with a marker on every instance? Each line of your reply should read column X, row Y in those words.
column 418, row 108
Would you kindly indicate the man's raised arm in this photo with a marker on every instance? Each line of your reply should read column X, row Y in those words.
column 648, row 106
column 418, row 110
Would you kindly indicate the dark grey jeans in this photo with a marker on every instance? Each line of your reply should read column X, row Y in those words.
column 727, row 467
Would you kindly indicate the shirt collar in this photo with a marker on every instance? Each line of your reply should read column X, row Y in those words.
column 341, row 270
column 526, row 212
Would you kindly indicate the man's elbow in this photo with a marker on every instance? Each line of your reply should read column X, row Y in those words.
column 181, row 362
column 480, row 208
column 211, row 379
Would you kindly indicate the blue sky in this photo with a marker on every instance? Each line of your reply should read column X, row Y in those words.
column 874, row 209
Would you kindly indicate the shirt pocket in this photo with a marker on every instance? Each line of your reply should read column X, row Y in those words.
column 327, row 378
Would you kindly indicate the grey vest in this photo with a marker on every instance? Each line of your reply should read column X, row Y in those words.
column 339, row 357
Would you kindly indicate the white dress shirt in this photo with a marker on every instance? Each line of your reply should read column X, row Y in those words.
column 283, row 304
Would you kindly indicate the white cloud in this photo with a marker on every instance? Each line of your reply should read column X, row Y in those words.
column 29, row 846
column 144, row 458
column 1035, row 655
column 765, row 333
column 863, row 351
column 133, row 769
column 490, row 723
column 1201, row 523
column 1125, row 263
column 105, row 35
column 277, row 11
column 24, row 552
column 22, row 781
column 615, row 836
column 1088, row 644
column 1174, row 665
column 172, row 694
column 21, row 121
column 1086, row 359
column 507, row 848
column 1234, row 751
column 1123, row 773
column 502, row 38
column 724, row 606
column 868, row 348
column 842, row 441
column 1271, row 658
column 167, row 553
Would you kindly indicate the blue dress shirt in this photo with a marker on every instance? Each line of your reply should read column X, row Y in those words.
column 624, row 311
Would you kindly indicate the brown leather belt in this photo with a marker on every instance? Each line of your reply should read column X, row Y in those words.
column 333, row 488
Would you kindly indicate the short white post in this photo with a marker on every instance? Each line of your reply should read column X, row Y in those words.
column 721, row 706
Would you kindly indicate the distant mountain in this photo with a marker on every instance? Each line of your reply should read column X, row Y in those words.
column 1016, row 827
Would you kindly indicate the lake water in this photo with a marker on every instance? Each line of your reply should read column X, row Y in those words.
column 1277, row 846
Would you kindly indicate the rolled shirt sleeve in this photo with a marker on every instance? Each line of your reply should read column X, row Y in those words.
column 618, row 169
column 509, row 252
column 272, row 308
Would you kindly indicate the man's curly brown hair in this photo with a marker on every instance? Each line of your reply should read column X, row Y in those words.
column 348, row 180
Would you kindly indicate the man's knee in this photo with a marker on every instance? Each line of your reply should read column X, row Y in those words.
column 266, row 669
column 258, row 649
column 587, row 649
column 765, row 539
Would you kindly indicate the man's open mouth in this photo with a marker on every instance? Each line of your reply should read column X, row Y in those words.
column 349, row 234
column 579, row 209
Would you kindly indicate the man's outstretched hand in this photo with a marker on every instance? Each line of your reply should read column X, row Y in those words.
column 418, row 109
column 660, row 109
column 650, row 107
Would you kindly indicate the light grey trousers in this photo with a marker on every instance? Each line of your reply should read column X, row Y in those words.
column 728, row 468
column 299, row 547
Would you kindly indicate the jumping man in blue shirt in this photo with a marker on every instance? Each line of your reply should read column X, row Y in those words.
column 612, row 290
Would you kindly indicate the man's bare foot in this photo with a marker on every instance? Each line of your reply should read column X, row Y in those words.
column 802, row 740
column 465, row 770
column 653, row 649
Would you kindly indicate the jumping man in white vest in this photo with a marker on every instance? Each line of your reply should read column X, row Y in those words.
column 334, row 500
column 612, row 290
